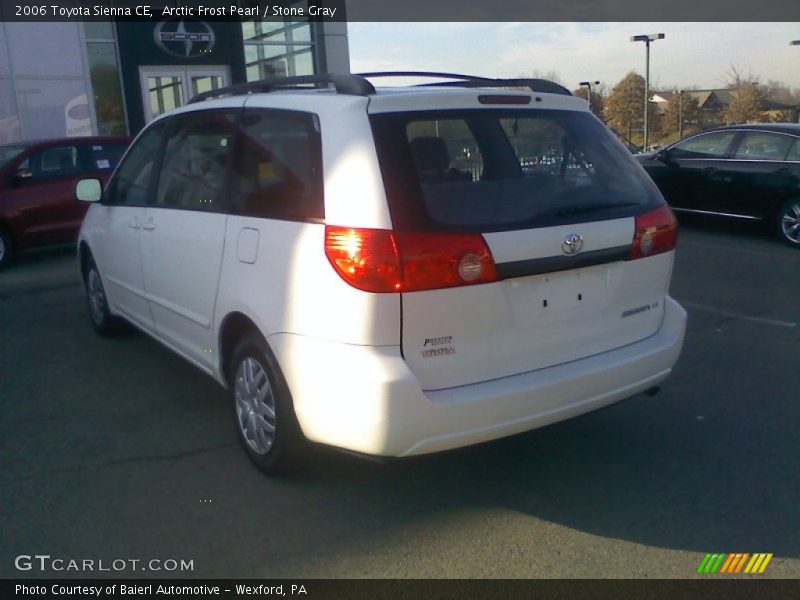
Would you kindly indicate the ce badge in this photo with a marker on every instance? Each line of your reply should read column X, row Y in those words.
column 572, row 244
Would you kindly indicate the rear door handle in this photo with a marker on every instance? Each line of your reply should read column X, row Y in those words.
column 149, row 226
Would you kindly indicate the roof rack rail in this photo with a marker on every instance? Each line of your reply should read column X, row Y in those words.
column 353, row 85
column 357, row 85
column 535, row 85
column 425, row 74
column 544, row 86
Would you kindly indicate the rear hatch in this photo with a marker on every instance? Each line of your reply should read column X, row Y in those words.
column 557, row 203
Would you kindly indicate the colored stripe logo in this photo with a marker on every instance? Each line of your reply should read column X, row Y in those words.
column 731, row 564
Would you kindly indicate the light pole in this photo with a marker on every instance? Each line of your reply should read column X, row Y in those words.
column 796, row 43
column 588, row 85
column 680, row 114
column 647, row 38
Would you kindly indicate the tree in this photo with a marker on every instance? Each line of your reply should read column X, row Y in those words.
column 598, row 98
column 624, row 108
column 745, row 105
column 682, row 109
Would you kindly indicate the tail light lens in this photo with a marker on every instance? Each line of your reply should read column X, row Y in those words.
column 656, row 232
column 376, row 260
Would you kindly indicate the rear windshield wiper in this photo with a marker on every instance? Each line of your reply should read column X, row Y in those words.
column 587, row 208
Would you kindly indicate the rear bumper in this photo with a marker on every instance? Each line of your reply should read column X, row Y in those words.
column 365, row 398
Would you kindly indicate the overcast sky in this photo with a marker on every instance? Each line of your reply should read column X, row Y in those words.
column 692, row 55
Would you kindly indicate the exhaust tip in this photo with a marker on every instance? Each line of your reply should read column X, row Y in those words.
column 653, row 390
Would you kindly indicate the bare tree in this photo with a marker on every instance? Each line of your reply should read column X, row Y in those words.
column 736, row 78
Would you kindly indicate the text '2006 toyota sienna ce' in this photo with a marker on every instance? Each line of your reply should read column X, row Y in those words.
column 395, row 271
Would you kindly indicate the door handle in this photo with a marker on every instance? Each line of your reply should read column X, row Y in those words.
column 149, row 226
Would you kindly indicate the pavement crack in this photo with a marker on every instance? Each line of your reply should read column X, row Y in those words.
column 126, row 461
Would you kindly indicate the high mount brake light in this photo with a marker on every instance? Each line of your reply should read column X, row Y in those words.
column 656, row 232
column 377, row 260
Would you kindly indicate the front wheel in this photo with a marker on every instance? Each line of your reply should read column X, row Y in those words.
column 789, row 223
column 103, row 321
column 262, row 406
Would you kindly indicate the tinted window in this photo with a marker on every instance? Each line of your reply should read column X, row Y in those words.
column 759, row 145
column 794, row 151
column 58, row 161
column 494, row 170
column 131, row 184
column 278, row 166
column 708, row 145
column 104, row 157
column 195, row 160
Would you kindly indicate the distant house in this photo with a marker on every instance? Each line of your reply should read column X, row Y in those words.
column 712, row 102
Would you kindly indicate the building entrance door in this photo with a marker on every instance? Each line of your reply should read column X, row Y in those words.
column 165, row 88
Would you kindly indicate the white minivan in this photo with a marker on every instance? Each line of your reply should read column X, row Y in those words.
column 391, row 271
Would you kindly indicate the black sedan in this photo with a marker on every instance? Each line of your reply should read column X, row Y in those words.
column 742, row 171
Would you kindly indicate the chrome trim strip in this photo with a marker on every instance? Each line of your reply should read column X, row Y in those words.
column 720, row 214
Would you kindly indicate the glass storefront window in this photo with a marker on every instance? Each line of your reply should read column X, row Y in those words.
column 53, row 108
column 278, row 48
column 104, row 72
column 278, row 61
column 98, row 30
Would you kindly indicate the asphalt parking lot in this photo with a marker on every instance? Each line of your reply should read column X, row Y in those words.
column 117, row 449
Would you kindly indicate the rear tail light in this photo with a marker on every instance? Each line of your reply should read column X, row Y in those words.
column 376, row 260
column 656, row 232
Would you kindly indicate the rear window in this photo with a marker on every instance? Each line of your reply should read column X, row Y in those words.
column 104, row 157
column 496, row 170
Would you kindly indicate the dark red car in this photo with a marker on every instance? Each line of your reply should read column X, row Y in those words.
column 37, row 188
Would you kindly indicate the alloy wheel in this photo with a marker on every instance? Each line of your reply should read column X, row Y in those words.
column 255, row 405
column 790, row 223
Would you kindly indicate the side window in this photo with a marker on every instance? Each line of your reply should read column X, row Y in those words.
column 50, row 163
column 131, row 184
column 195, row 161
column 794, row 151
column 758, row 145
column 278, row 166
column 709, row 145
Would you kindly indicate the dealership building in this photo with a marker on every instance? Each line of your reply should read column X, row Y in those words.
column 63, row 79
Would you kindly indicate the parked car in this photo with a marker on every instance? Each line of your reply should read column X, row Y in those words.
column 37, row 188
column 741, row 171
column 320, row 254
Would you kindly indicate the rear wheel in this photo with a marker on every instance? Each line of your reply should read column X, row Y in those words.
column 789, row 223
column 262, row 407
column 5, row 248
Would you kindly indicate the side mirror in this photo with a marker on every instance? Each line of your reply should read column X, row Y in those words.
column 89, row 190
column 663, row 156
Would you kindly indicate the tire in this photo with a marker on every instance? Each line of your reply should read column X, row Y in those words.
column 102, row 320
column 5, row 248
column 262, row 408
column 789, row 223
